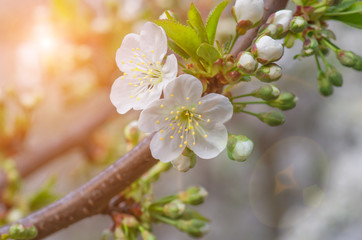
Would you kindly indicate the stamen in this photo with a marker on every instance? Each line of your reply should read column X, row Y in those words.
column 161, row 139
column 158, row 122
column 123, row 62
column 185, row 142
column 122, row 77
column 193, row 143
column 131, row 96
column 171, row 95
column 187, row 98
column 166, row 119
column 152, row 51
column 181, row 137
column 133, row 49
column 193, row 109
column 180, row 146
column 205, row 136
column 161, row 106
column 171, row 137
column 208, row 120
column 200, row 103
column 161, row 131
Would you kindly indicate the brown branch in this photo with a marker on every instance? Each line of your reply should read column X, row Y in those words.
column 93, row 197
column 243, row 42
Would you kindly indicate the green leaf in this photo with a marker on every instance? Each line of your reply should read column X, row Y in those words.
column 213, row 20
column 178, row 50
column 193, row 214
column 342, row 6
column 353, row 20
column 184, row 37
column 195, row 21
column 354, row 8
column 208, row 53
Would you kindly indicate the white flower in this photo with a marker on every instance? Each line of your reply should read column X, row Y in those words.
column 282, row 18
column 267, row 50
column 248, row 10
column 140, row 59
column 185, row 119
column 247, row 62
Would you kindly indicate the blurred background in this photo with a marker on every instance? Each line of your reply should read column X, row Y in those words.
column 303, row 180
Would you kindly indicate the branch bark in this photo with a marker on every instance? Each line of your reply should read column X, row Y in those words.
column 93, row 197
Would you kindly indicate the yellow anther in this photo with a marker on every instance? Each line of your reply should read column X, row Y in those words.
column 149, row 90
column 161, row 131
column 178, row 124
column 130, row 84
column 124, row 74
column 180, row 146
column 171, row 137
column 138, row 64
column 143, row 55
column 158, row 63
column 181, row 137
column 185, row 142
column 158, row 122
column 131, row 96
column 171, row 112
column 152, row 51
column 166, row 119
column 173, row 128
column 176, row 117
column 187, row 98
column 187, row 114
column 192, row 115
column 179, row 131
column 137, row 98
column 135, row 85
column 193, row 109
column 141, row 83
column 122, row 77
column 200, row 116
column 140, row 78
column 180, row 128
column 177, row 112
column 161, row 106
column 135, row 55
column 193, row 143
column 133, row 49
column 171, row 124
column 130, row 61
column 190, row 120
column 123, row 62
column 200, row 103
column 161, row 139
column 137, row 49
column 171, row 95
column 193, row 133
column 208, row 120
column 186, row 130
column 132, row 70
column 197, row 124
column 134, row 76
column 205, row 136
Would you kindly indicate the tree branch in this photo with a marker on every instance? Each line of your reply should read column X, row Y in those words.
column 93, row 197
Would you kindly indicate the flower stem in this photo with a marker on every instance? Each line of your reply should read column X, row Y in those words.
column 255, row 102
column 250, row 113
column 330, row 44
column 241, row 96
column 164, row 219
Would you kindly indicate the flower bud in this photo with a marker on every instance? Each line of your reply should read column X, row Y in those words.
column 267, row 50
column 324, row 85
column 346, row 58
column 174, row 209
column 310, row 46
column 146, row 235
column 334, row 76
column 298, row 24
column 168, row 14
column 193, row 195
column 285, row 101
column 18, row 231
column 267, row 92
column 289, row 40
column 247, row 63
column 185, row 161
column 269, row 73
column 132, row 133
column 247, row 14
column 239, row 147
column 273, row 118
column 130, row 221
column 282, row 18
column 358, row 64
column 193, row 227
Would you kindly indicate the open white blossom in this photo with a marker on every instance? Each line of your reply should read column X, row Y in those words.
column 185, row 119
column 144, row 75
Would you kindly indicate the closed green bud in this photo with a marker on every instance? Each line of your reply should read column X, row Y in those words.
column 193, row 195
column 132, row 133
column 346, row 58
column 289, row 40
column 285, row 101
column 239, row 147
column 174, row 209
column 358, row 64
column 267, row 92
column 130, row 221
column 298, row 24
column 269, row 73
column 18, row 231
column 310, row 46
column 185, row 161
column 324, row 85
column 273, row 118
column 146, row 235
column 334, row 76
column 193, row 227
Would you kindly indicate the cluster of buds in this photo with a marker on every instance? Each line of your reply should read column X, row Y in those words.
column 285, row 101
column 174, row 210
column 349, row 59
column 248, row 14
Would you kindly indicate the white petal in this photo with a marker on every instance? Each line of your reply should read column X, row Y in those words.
column 210, row 146
column 156, row 111
column 169, row 69
column 153, row 41
column 184, row 87
column 215, row 107
column 120, row 95
column 168, row 149
column 125, row 55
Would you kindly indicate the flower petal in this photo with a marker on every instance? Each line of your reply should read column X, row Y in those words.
column 169, row 69
column 211, row 145
column 153, row 117
column 167, row 149
column 215, row 107
column 186, row 89
column 125, row 57
column 153, row 41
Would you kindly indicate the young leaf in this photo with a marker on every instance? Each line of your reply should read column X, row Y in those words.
column 208, row 53
column 184, row 37
column 354, row 8
column 178, row 50
column 213, row 19
column 195, row 21
column 353, row 20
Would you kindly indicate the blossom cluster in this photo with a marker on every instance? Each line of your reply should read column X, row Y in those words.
column 184, row 118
